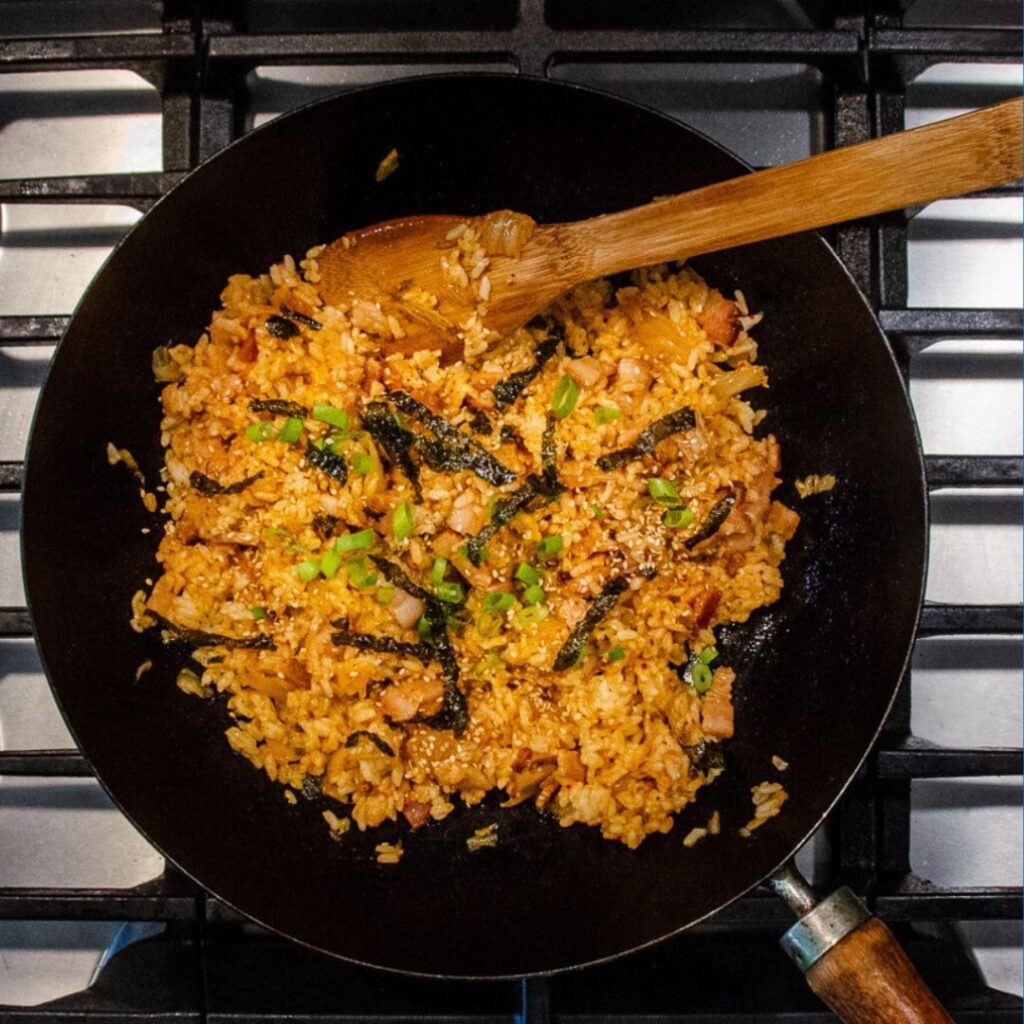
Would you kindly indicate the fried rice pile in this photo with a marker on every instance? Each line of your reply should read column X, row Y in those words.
column 419, row 582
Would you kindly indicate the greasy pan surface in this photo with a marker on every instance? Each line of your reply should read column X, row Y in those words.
column 817, row 671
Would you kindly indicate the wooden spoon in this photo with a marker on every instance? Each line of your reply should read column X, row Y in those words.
column 399, row 263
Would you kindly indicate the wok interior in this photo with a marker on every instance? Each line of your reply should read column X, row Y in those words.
column 817, row 670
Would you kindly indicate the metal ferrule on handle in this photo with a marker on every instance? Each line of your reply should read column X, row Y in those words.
column 820, row 929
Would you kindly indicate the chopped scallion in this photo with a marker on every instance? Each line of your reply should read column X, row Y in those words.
column 359, row 575
column 548, row 546
column 675, row 517
column 498, row 601
column 362, row 463
column 708, row 654
column 423, row 630
column 532, row 614
column 663, row 491
column 385, row 595
column 533, row 594
column 307, row 570
column 488, row 624
column 262, row 430
column 700, row 675
column 437, row 570
column 329, row 414
column 488, row 663
column 526, row 573
column 597, row 511
column 331, row 562
column 450, row 593
column 565, row 397
column 258, row 612
column 355, row 541
column 606, row 413
column 403, row 521
column 291, row 431
column 616, row 653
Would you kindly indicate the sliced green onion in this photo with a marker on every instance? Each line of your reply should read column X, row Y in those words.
column 597, row 511
column 548, row 546
column 319, row 445
column 403, row 520
column 488, row 663
column 700, row 675
column 291, row 431
column 677, row 517
column 307, row 570
column 328, row 414
column 534, row 594
column 423, row 630
column 262, row 430
column 499, row 601
column 708, row 654
column 533, row 614
column 663, row 491
column 258, row 612
column 437, row 570
column 492, row 504
column 526, row 573
column 606, row 413
column 359, row 575
column 362, row 463
column 355, row 541
column 385, row 595
column 450, row 593
column 488, row 624
column 616, row 653
column 331, row 562
column 565, row 397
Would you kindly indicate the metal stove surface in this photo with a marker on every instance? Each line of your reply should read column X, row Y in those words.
column 967, row 395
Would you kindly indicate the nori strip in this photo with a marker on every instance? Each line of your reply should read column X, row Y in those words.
column 452, row 449
column 704, row 756
column 599, row 608
column 509, row 435
column 508, row 390
column 673, row 423
column 329, row 463
column 313, row 325
column 279, row 407
column 200, row 638
column 382, row 745
column 381, row 425
column 313, row 787
column 718, row 515
column 549, row 455
column 208, row 487
column 323, row 525
column 480, row 424
column 506, row 511
column 281, row 328
column 378, row 644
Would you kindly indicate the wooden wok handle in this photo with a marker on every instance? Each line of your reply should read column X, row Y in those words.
column 948, row 158
column 851, row 959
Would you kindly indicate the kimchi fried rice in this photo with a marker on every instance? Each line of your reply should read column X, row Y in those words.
column 418, row 582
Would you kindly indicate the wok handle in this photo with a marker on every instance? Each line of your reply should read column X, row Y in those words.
column 851, row 960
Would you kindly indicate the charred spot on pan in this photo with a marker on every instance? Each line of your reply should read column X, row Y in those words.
column 327, row 462
column 713, row 522
column 382, row 745
column 600, row 606
column 674, row 423
column 301, row 318
column 201, row 638
column 280, row 327
column 208, row 487
column 279, row 407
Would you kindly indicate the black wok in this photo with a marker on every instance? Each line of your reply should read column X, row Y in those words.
column 817, row 671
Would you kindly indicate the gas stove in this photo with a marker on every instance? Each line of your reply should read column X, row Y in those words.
column 105, row 105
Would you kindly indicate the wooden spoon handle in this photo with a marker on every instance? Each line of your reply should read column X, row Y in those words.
column 948, row 158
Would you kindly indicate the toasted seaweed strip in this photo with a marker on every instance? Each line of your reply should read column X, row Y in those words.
column 313, row 325
column 377, row 644
column 380, row 423
column 704, row 757
column 718, row 515
column 312, row 787
column 200, row 638
column 480, row 424
column 281, row 328
column 549, row 454
column 329, row 463
column 279, row 407
column 599, row 608
column 509, row 435
column 323, row 525
column 208, row 487
column 382, row 745
column 452, row 449
column 508, row 390
column 506, row 511
column 673, row 423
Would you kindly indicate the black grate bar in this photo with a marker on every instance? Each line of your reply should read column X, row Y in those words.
column 988, row 43
column 11, row 476
column 160, row 900
column 970, row 619
column 95, row 188
column 14, row 622
column 32, row 330
column 995, row 903
column 44, row 763
column 973, row 471
column 914, row 759
column 984, row 322
column 94, row 50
